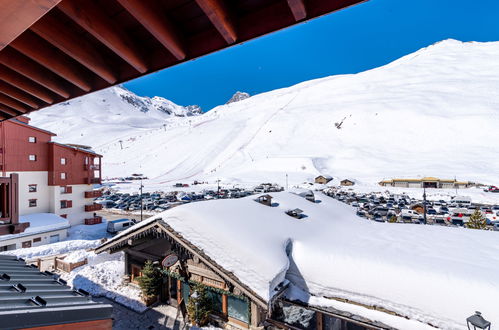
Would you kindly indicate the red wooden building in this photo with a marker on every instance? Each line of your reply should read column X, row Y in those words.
column 42, row 176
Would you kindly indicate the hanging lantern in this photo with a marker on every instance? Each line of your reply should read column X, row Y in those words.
column 476, row 321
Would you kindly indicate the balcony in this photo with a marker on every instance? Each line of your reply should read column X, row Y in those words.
column 92, row 167
column 93, row 221
column 92, row 180
column 93, row 194
column 93, row 207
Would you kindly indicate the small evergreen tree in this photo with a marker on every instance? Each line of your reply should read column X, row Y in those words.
column 477, row 220
column 150, row 281
column 199, row 308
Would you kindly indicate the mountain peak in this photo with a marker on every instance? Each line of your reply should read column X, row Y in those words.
column 238, row 96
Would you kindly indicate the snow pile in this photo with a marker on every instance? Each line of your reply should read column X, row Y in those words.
column 102, row 277
column 86, row 232
column 431, row 113
column 431, row 274
column 53, row 249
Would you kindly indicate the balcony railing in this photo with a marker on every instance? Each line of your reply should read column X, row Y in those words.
column 92, row 180
column 87, row 167
column 93, row 207
column 93, row 221
column 93, row 194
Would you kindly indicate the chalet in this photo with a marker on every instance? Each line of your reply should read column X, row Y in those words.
column 427, row 182
column 347, row 182
column 323, row 179
column 263, row 269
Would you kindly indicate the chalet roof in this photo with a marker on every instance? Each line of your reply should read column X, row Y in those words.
column 48, row 301
column 22, row 123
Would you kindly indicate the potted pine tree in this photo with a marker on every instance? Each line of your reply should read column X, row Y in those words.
column 150, row 283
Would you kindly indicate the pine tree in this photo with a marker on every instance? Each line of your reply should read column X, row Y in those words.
column 477, row 220
column 150, row 281
column 199, row 308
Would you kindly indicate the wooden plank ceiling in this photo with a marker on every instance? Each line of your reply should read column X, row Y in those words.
column 53, row 50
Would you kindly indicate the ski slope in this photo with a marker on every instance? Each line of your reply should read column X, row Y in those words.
column 431, row 113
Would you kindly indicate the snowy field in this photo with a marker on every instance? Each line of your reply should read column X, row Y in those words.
column 428, row 274
column 430, row 113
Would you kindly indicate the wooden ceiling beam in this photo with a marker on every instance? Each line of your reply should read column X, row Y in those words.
column 8, row 112
column 20, row 63
column 18, row 95
column 90, row 17
column 40, row 51
column 298, row 9
column 13, row 104
column 61, row 36
column 17, row 16
column 19, row 81
column 159, row 26
column 220, row 18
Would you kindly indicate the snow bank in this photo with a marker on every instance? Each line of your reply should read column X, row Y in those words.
column 432, row 274
column 53, row 249
column 102, row 277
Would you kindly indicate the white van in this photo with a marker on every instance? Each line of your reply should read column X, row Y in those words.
column 409, row 213
column 118, row 225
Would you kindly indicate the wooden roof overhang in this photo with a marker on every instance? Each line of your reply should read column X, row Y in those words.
column 55, row 50
column 159, row 228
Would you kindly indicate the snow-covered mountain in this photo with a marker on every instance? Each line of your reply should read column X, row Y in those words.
column 238, row 96
column 431, row 113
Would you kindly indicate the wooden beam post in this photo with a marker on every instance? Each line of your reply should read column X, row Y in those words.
column 219, row 16
column 158, row 25
column 90, row 17
column 298, row 9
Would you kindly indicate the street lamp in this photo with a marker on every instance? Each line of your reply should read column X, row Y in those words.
column 476, row 321
column 424, row 204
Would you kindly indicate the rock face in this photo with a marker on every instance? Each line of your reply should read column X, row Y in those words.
column 238, row 96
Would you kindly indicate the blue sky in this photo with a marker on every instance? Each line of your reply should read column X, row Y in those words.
column 349, row 41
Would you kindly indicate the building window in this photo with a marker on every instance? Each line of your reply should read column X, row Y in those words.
column 66, row 204
column 32, row 188
column 26, row 244
column 32, row 139
column 63, row 176
column 32, row 158
column 238, row 309
column 37, row 239
column 54, row 238
column 66, row 189
column 32, row 203
column 63, row 161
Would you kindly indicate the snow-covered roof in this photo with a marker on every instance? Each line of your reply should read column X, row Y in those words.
column 427, row 274
column 39, row 223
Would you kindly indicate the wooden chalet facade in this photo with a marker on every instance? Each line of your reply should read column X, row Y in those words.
column 235, row 304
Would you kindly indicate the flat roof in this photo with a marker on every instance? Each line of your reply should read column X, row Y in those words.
column 30, row 298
